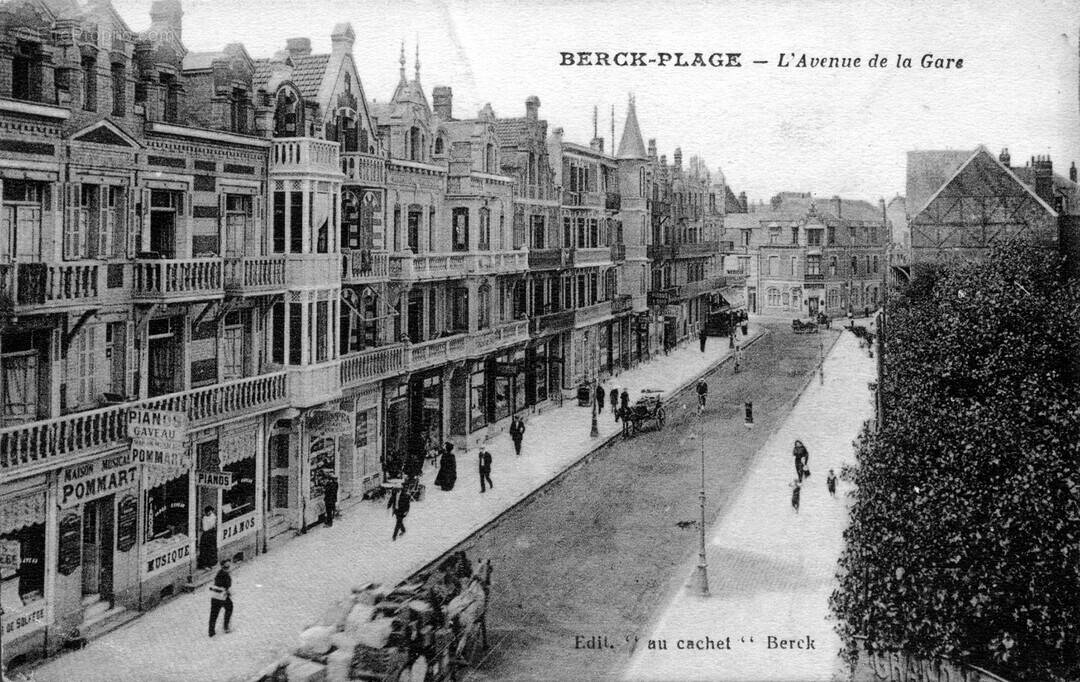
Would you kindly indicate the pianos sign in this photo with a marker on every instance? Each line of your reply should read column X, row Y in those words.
column 158, row 437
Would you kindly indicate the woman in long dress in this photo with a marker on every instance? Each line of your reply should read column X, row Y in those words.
column 447, row 475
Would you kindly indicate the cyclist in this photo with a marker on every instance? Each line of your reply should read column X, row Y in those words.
column 702, row 392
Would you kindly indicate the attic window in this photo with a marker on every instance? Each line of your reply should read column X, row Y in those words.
column 26, row 72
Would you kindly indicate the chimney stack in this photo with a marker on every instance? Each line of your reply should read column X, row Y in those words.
column 1043, row 174
column 298, row 47
column 742, row 202
column 837, row 204
column 678, row 158
column 1004, row 157
column 532, row 108
column 442, row 102
column 1072, row 172
column 342, row 38
column 663, row 159
column 166, row 16
column 597, row 144
column 652, row 148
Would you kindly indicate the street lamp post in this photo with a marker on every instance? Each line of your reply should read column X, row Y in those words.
column 594, row 431
column 701, row 573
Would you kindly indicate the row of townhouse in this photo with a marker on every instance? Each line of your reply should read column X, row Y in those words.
column 223, row 278
column 804, row 256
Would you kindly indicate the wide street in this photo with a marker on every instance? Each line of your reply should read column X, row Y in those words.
column 582, row 569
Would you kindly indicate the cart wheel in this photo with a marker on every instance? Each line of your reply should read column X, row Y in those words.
column 660, row 417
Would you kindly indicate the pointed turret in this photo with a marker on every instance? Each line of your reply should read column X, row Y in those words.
column 631, row 146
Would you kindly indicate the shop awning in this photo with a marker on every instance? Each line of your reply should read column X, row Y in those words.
column 732, row 297
column 160, row 475
column 238, row 443
column 22, row 511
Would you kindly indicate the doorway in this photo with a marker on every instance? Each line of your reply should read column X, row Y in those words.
column 812, row 304
column 97, row 554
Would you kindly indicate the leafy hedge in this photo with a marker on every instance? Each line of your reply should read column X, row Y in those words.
column 964, row 541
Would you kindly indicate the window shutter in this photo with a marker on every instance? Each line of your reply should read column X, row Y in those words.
column 144, row 226
column 104, row 223
column 71, row 222
column 256, row 245
column 224, row 233
column 132, row 360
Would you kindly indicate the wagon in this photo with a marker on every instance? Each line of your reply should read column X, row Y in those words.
column 800, row 327
column 647, row 409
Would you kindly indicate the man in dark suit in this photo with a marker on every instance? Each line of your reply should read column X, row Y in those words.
column 401, row 510
column 330, row 491
column 221, row 597
column 485, row 470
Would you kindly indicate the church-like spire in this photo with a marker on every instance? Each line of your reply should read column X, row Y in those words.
column 417, row 59
column 401, row 61
column 631, row 147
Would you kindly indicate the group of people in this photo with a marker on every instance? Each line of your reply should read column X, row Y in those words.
column 802, row 471
column 618, row 402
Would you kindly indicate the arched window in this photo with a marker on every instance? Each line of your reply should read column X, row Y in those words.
column 288, row 114
column 439, row 145
column 414, row 151
column 484, row 306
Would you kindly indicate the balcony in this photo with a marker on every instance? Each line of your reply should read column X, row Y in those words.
column 363, row 267
column 437, row 352
column 817, row 278
column 546, row 259
column 497, row 262
column 579, row 258
column 310, row 385
column 178, row 280
column 255, row 275
column 660, row 252
column 589, row 315
column 416, row 267
column 582, row 199
column 535, row 193
column 618, row 252
column 704, row 286
column 622, row 303
column 477, row 184
column 373, row 364
column 487, row 340
column 59, row 441
column 612, row 201
column 363, row 169
column 552, row 323
column 304, row 155
column 697, row 250
column 68, row 284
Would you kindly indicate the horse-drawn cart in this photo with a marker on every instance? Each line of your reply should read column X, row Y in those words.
column 800, row 327
column 647, row 410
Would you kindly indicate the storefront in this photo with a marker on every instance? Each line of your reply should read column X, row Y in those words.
column 235, row 494
column 506, row 372
column 23, row 568
column 396, row 400
column 478, row 396
column 359, row 463
column 169, row 528
column 324, row 427
column 543, row 370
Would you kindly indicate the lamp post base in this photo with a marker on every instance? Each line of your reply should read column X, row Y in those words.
column 700, row 580
column 594, row 431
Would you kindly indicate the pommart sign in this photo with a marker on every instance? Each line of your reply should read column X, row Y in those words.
column 158, row 437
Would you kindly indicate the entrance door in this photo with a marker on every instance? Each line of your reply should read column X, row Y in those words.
column 163, row 233
column 97, row 556
column 812, row 303
column 751, row 301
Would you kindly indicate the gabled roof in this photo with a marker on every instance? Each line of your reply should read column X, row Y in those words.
column 105, row 132
column 307, row 72
column 631, row 147
column 199, row 61
column 928, row 171
column 511, row 131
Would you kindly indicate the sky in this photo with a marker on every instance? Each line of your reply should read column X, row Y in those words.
column 769, row 129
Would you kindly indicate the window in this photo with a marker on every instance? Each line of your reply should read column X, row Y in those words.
column 21, row 210
column 82, row 369
column 834, row 299
column 786, row 297
column 794, row 266
column 279, row 222
column 477, row 400
column 794, row 235
column 813, row 237
column 119, row 90
column 580, row 224
column 831, row 235
column 240, row 498
column 168, row 98
column 875, row 264
column 643, row 231
column 238, row 109
column 296, row 222
column 485, row 230
column 490, row 160
column 774, row 234
column 641, row 182
column 277, row 327
column 536, row 231
column 232, row 348
column 774, row 266
column 167, row 509
column 238, row 221
column 439, row 145
column 594, row 233
column 413, row 228
column 431, row 228
column 854, row 265
column 322, row 329
column 484, row 307
column 26, row 72
column 773, row 296
column 89, row 71
column 288, row 115
column 832, row 266
column 568, row 240
column 26, row 582
column 296, row 331
column 458, row 310
column 460, row 217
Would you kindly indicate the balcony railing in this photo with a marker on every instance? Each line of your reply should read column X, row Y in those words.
column 504, row 335
column 695, row 250
column 591, row 256
column 40, row 284
column 255, row 274
column 363, row 169
column 52, row 441
column 618, row 252
column 582, row 198
column 373, row 364
column 660, row 252
column 497, row 262
column 304, row 155
column 431, row 353
column 535, row 192
column 592, row 314
column 612, row 201
column 818, row 277
column 361, row 266
column 703, row 286
column 622, row 303
column 427, row 267
column 189, row 278
column 546, row 259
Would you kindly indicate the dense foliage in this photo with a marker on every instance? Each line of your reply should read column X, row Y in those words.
column 964, row 541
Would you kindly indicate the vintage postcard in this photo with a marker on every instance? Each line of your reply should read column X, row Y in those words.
column 504, row 340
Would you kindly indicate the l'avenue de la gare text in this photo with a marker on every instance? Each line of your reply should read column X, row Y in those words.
column 785, row 60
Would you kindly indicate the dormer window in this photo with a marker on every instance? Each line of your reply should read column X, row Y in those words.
column 238, row 106
column 26, row 72
column 168, row 98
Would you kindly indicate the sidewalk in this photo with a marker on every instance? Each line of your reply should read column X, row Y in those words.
column 279, row 593
column 771, row 570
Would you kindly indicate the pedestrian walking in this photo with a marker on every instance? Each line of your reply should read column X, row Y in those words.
column 624, row 403
column 330, row 492
column 796, row 491
column 802, row 458
column 613, row 398
column 830, row 483
column 221, row 598
column 600, row 393
column 208, row 539
column 738, row 358
column 447, row 476
column 703, row 337
column 702, row 393
column 401, row 509
column 485, row 470
column 517, row 432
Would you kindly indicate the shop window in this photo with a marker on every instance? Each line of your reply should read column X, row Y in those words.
column 240, row 498
column 477, row 401
column 24, row 584
column 167, row 509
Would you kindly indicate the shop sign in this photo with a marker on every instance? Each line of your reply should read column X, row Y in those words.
column 509, row 369
column 330, row 421
column 69, row 550
column 10, row 555
column 19, row 623
column 157, row 431
column 237, row 528
column 658, row 298
column 127, row 517
column 167, row 558
column 91, row 480
column 221, row 480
